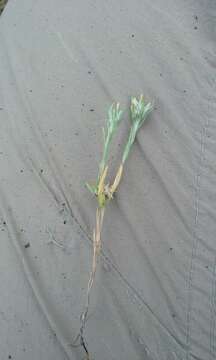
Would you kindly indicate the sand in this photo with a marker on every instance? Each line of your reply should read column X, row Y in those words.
column 61, row 66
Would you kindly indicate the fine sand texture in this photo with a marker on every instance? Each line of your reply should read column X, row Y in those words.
column 62, row 63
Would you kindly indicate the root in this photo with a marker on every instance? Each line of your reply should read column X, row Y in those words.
column 96, row 254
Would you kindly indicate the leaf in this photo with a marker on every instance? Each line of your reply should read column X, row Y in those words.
column 91, row 188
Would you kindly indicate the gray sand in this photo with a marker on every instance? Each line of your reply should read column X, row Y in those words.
column 154, row 296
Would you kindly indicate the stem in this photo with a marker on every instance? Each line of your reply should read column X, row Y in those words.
column 105, row 155
column 96, row 252
column 117, row 179
column 131, row 138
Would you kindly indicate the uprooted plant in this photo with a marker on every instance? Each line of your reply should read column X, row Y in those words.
column 104, row 191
